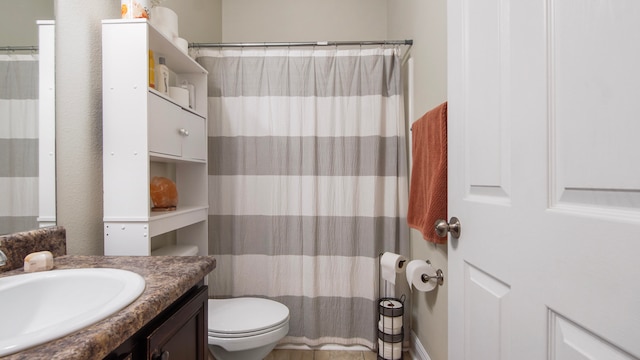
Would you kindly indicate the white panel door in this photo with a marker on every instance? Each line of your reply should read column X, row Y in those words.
column 544, row 175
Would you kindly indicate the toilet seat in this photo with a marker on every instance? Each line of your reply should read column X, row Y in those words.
column 268, row 338
column 245, row 317
column 244, row 334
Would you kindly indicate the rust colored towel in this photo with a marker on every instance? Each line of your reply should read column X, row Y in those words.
column 428, row 188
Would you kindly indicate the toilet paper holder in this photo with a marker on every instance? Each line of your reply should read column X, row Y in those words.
column 439, row 276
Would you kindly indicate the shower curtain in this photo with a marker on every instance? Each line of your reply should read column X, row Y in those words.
column 307, row 182
column 18, row 142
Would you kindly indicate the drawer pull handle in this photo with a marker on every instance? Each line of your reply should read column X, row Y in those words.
column 184, row 132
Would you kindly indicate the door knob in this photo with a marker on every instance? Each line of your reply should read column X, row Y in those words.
column 453, row 226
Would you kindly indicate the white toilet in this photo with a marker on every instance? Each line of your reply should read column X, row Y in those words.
column 245, row 328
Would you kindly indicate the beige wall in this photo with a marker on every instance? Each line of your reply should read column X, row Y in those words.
column 18, row 21
column 79, row 121
column 303, row 20
column 198, row 20
column 425, row 23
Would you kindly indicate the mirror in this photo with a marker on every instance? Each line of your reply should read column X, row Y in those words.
column 27, row 116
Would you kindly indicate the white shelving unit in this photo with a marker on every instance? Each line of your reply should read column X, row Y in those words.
column 145, row 130
column 46, row 123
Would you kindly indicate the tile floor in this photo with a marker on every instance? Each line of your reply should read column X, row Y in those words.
column 283, row 354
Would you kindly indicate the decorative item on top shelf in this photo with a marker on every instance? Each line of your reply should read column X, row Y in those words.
column 164, row 194
column 390, row 328
column 135, row 9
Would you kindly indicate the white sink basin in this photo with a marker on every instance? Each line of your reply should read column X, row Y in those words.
column 42, row 306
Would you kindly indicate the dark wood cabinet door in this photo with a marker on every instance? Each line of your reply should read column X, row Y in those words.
column 179, row 332
column 183, row 335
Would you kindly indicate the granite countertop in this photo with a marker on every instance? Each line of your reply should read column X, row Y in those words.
column 167, row 278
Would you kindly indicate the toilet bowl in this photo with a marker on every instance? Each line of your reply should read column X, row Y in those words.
column 245, row 328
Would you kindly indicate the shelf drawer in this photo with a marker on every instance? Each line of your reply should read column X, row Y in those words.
column 164, row 125
column 194, row 146
column 174, row 131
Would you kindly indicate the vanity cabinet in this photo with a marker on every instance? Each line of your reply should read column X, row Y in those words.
column 147, row 133
column 180, row 332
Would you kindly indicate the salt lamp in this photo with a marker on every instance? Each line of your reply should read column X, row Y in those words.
column 164, row 194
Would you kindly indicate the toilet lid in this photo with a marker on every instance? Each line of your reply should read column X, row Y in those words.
column 245, row 315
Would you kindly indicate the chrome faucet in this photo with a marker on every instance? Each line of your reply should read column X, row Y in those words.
column 3, row 259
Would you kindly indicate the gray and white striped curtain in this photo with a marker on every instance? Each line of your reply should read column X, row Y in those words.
column 18, row 143
column 308, row 182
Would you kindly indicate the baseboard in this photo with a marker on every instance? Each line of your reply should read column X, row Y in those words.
column 323, row 347
column 417, row 351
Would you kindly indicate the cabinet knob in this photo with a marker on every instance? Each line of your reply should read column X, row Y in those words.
column 184, row 132
column 162, row 356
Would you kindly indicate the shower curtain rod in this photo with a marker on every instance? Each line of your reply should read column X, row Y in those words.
column 408, row 42
column 308, row 43
column 18, row 48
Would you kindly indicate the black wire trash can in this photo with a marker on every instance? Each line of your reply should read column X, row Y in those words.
column 390, row 328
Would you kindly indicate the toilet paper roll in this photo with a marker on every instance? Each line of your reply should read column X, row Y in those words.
column 390, row 265
column 182, row 44
column 390, row 307
column 391, row 321
column 415, row 269
column 180, row 95
column 390, row 325
column 164, row 20
column 389, row 350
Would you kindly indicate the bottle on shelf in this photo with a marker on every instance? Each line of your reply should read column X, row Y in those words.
column 192, row 93
column 163, row 76
column 152, row 73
